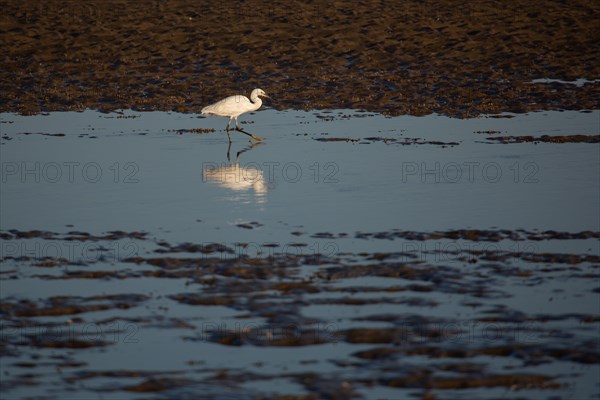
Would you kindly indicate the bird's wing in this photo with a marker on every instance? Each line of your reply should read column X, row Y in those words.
column 232, row 105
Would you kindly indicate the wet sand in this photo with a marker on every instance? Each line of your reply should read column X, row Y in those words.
column 396, row 58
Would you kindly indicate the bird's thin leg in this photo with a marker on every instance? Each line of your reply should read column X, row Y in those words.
column 229, row 123
column 227, row 130
column 237, row 128
column 228, row 148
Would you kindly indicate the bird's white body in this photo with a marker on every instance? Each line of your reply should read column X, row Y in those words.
column 234, row 106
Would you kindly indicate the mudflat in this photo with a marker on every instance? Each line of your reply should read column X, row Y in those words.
column 411, row 57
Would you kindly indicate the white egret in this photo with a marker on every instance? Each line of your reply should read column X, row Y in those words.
column 234, row 106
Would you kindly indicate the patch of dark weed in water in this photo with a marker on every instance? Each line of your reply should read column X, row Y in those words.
column 42, row 134
column 69, row 305
column 546, row 139
column 71, row 236
column 195, row 130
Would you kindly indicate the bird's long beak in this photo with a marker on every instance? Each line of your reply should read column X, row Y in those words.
column 264, row 95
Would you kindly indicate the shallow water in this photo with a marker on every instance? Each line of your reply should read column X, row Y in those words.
column 140, row 175
column 367, row 228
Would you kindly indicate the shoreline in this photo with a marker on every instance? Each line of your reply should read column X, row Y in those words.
column 412, row 58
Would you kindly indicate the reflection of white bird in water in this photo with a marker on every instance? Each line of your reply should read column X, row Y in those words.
column 237, row 178
column 234, row 106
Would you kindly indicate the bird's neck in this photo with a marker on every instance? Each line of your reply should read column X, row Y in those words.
column 257, row 102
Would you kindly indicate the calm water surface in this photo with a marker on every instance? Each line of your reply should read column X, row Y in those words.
column 294, row 194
